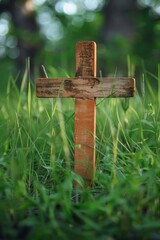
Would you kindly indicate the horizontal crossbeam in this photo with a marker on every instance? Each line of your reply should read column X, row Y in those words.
column 85, row 87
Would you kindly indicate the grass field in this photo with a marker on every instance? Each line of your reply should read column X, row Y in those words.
column 37, row 198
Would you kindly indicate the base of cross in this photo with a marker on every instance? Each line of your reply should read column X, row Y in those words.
column 85, row 88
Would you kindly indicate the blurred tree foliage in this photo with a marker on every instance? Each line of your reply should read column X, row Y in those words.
column 46, row 31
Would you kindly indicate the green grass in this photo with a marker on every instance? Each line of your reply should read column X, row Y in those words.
column 37, row 198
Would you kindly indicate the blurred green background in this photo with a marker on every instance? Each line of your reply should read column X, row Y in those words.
column 45, row 32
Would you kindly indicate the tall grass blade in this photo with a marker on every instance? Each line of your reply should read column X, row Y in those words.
column 63, row 133
column 26, row 76
column 143, row 89
column 129, row 65
column 29, row 100
column 159, row 86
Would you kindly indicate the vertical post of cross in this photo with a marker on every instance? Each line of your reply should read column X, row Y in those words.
column 85, row 115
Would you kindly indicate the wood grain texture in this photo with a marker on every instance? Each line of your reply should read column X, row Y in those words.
column 86, row 87
column 85, row 116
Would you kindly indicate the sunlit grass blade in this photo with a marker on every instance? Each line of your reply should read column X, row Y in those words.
column 29, row 99
column 26, row 76
column 159, row 86
column 63, row 133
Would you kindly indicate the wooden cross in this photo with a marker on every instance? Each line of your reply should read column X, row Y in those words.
column 85, row 88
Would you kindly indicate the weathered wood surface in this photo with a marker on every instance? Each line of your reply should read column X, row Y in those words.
column 86, row 87
column 85, row 116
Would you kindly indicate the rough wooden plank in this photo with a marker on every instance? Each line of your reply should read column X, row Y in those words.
column 86, row 87
column 85, row 116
